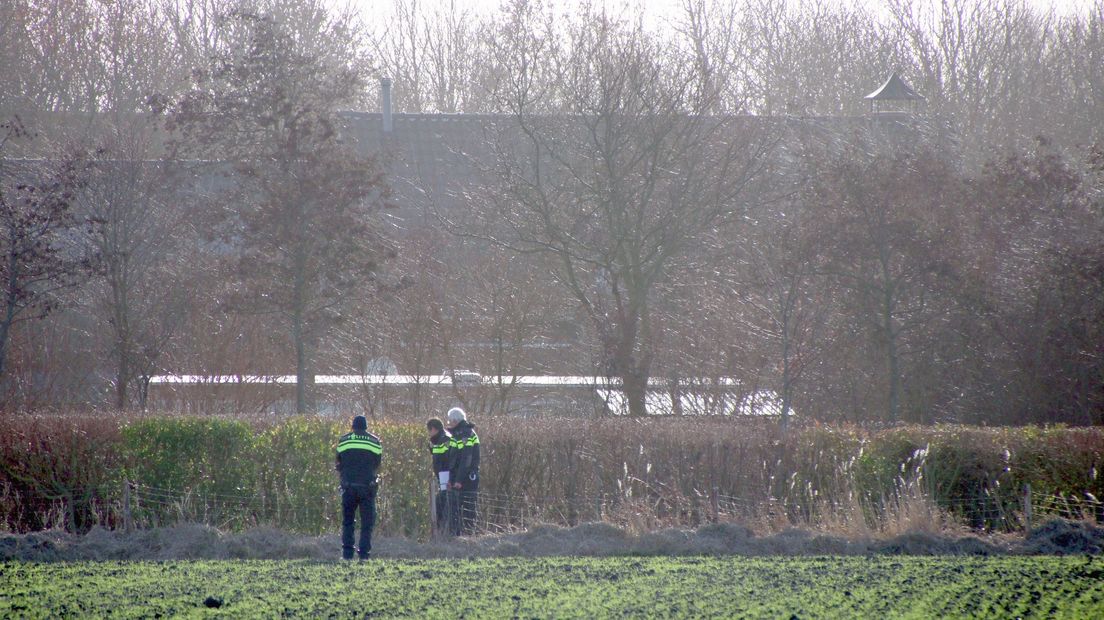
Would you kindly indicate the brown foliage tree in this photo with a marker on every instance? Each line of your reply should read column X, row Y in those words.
column 38, row 225
column 885, row 230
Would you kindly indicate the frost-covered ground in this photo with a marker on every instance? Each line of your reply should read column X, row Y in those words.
column 200, row 542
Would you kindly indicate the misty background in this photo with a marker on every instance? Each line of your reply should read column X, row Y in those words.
column 683, row 200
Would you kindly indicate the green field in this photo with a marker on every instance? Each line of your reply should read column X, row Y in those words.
column 565, row 587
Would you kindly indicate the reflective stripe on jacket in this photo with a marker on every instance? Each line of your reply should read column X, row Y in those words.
column 465, row 448
column 358, row 458
column 441, row 449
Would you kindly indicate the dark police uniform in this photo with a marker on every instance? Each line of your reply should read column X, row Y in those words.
column 465, row 470
column 440, row 447
column 359, row 454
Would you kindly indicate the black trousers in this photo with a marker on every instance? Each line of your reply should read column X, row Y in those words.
column 464, row 509
column 354, row 497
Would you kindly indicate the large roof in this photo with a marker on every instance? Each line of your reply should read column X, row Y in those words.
column 430, row 157
column 434, row 160
column 895, row 89
column 435, row 163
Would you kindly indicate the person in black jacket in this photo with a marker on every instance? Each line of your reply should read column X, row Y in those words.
column 440, row 449
column 464, row 470
column 358, row 458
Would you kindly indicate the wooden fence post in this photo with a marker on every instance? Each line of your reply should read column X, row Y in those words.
column 127, row 524
column 1027, row 508
column 433, row 485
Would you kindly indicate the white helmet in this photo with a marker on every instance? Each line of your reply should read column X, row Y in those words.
column 456, row 415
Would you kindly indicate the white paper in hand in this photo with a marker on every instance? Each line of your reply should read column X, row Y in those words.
column 443, row 478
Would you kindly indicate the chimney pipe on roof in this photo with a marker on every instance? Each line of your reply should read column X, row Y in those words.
column 385, row 103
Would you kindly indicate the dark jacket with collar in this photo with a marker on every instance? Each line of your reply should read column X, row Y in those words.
column 464, row 467
column 358, row 457
column 440, row 447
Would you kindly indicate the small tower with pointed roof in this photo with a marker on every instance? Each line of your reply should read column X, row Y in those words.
column 894, row 97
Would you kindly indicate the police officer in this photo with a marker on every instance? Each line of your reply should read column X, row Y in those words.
column 358, row 458
column 464, row 470
column 440, row 449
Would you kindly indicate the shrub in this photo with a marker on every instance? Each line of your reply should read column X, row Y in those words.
column 295, row 478
column 206, row 455
column 645, row 473
column 58, row 471
column 405, row 490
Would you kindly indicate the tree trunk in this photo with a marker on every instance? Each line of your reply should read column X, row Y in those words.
column 635, row 387
column 893, row 362
column 304, row 402
column 894, row 378
column 302, row 382
column 143, row 391
column 890, row 330
column 121, row 379
column 11, row 298
column 787, row 380
column 787, row 375
column 5, row 329
column 118, row 281
column 676, row 396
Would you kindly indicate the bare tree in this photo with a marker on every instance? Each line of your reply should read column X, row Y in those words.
column 195, row 28
column 301, row 221
column 499, row 312
column 435, row 55
column 135, row 195
column 718, row 46
column 55, row 64
column 82, row 56
column 1074, row 78
column 781, row 294
column 618, row 189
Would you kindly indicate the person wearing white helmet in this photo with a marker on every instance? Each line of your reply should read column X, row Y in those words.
column 464, row 470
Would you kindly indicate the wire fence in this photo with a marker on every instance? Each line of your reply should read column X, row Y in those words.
column 143, row 506
column 139, row 505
